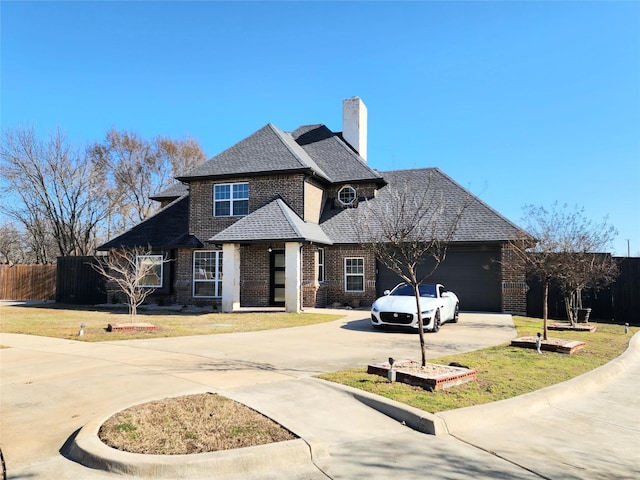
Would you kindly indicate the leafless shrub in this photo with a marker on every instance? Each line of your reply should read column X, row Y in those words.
column 135, row 272
column 409, row 230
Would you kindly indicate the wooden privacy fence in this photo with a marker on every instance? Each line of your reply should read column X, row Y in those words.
column 27, row 282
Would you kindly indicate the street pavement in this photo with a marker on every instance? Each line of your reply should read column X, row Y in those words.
column 50, row 389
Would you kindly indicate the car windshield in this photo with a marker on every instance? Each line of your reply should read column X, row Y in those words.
column 407, row 291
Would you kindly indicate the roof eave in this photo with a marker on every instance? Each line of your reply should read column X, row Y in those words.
column 226, row 176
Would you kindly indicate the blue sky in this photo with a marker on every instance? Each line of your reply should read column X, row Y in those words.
column 520, row 102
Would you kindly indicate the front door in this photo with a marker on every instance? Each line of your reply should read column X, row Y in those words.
column 277, row 276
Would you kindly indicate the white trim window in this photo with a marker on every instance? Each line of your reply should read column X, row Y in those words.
column 149, row 270
column 354, row 274
column 207, row 273
column 231, row 200
column 321, row 265
column 347, row 195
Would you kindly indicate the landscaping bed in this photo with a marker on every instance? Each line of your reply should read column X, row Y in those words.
column 430, row 377
column 190, row 424
column 579, row 327
column 132, row 327
column 558, row 345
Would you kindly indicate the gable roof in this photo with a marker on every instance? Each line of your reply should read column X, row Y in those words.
column 479, row 222
column 168, row 228
column 274, row 221
column 266, row 151
column 172, row 192
column 336, row 158
column 313, row 149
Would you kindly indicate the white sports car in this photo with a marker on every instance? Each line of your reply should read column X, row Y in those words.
column 398, row 307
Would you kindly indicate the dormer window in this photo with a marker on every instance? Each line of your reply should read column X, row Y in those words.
column 347, row 195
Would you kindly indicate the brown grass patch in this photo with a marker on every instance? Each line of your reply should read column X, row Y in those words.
column 190, row 424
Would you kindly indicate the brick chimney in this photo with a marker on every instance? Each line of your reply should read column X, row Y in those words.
column 354, row 125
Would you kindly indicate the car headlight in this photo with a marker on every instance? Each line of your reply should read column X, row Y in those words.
column 427, row 313
column 375, row 308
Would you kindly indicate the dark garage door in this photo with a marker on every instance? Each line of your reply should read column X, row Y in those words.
column 473, row 273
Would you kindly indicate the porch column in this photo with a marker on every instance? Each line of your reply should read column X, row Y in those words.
column 230, row 277
column 292, row 266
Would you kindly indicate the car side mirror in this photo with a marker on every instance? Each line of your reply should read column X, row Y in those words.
column 387, row 292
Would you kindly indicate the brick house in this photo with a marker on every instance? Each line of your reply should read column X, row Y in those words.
column 267, row 223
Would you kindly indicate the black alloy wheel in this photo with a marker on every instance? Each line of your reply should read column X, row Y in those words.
column 456, row 314
column 436, row 322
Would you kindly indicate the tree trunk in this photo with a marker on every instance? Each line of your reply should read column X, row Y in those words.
column 416, row 292
column 571, row 308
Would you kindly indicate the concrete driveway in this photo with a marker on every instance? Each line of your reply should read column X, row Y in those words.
column 51, row 388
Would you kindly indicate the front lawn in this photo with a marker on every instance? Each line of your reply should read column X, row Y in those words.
column 503, row 371
column 63, row 321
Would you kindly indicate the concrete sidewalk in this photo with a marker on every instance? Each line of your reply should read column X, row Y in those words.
column 51, row 388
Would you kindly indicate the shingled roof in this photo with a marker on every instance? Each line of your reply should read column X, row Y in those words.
column 168, row 228
column 275, row 221
column 313, row 149
column 338, row 160
column 172, row 192
column 479, row 222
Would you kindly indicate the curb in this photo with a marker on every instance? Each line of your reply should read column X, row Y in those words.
column 412, row 417
column 476, row 417
column 88, row 450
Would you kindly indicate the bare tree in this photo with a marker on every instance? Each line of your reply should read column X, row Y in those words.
column 585, row 270
column 137, row 169
column 563, row 251
column 11, row 247
column 409, row 230
column 56, row 193
column 181, row 155
column 135, row 272
column 75, row 199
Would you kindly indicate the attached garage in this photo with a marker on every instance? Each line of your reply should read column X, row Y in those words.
column 473, row 272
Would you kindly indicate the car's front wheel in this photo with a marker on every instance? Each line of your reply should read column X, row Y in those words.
column 436, row 322
column 456, row 314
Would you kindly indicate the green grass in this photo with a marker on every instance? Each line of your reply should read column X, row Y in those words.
column 63, row 321
column 503, row 371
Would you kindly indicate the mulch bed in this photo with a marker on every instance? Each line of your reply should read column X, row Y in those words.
column 578, row 327
column 132, row 327
column 558, row 345
column 430, row 377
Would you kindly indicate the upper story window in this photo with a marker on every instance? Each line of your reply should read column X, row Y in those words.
column 231, row 200
column 347, row 195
